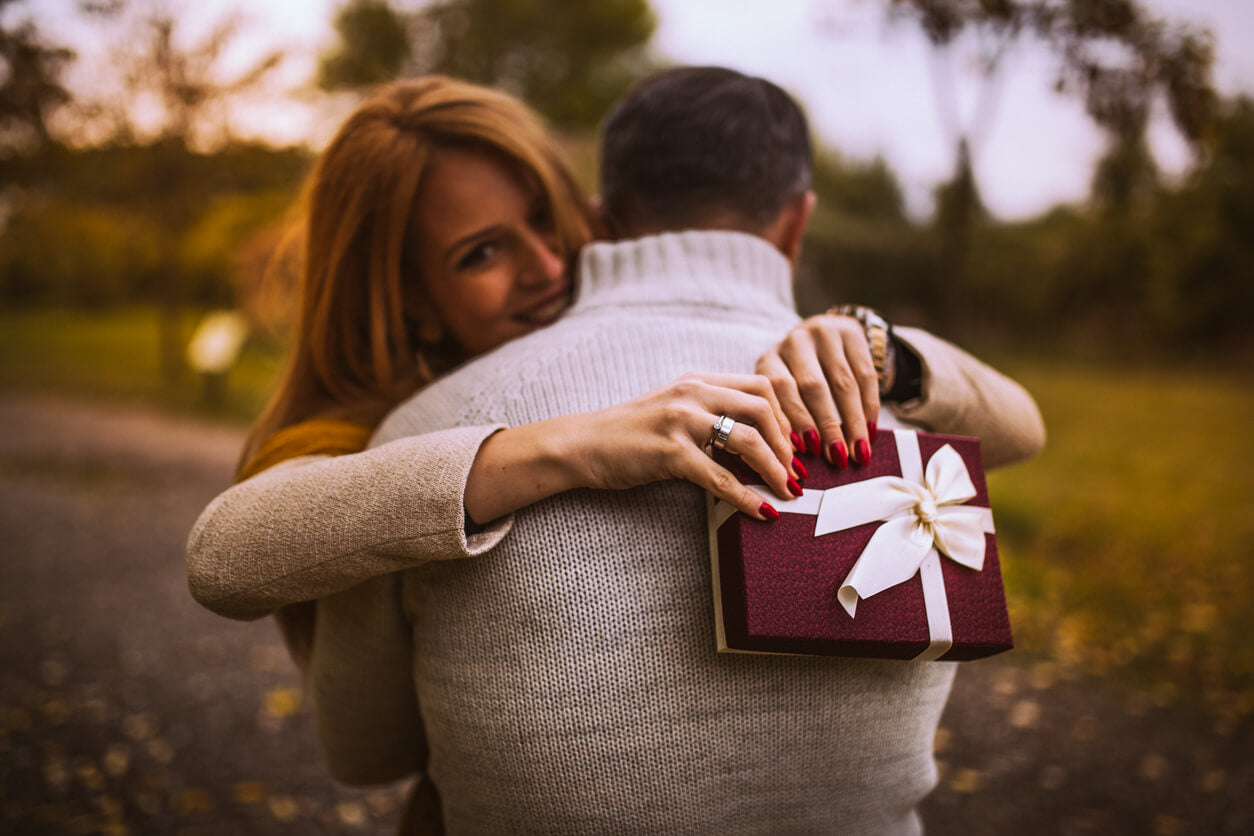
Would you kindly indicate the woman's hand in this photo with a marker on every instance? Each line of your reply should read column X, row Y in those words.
column 662, row 435
column 825, row 381
column 657, row 436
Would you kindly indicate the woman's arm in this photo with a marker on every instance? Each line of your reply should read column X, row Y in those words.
column 964, row 396
column 314, row 526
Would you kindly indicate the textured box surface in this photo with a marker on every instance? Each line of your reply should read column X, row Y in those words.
column 776, row 583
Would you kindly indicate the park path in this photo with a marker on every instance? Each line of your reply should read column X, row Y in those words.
column 127, row 709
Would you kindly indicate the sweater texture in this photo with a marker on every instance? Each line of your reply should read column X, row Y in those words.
column 567, row 680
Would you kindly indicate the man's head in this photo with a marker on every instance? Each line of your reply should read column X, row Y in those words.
column 706, row 148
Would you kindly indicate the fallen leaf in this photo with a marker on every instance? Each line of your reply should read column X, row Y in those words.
column 250, row 792
column 282, row 702
column 193, row 800
column 283, row 807
column 117, row 760
column 967, row 781
column 1153, row 767
column 1026, row 714
column 351, row 813
column 1214, row 780
column 140, row 726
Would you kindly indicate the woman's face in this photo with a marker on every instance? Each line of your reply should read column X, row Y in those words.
column 487, row 250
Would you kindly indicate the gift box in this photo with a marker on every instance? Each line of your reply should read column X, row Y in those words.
column 895, row 559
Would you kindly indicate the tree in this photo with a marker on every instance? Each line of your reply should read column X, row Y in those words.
column 1111, row 53
column 30, row 85
column 185, row 82
column 568, row 60
column 373, row 47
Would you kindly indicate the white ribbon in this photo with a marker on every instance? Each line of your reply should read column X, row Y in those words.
column 923, row 515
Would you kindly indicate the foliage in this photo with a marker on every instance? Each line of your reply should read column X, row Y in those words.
column 1174, row 271
column 860, row 245
column 109, row 355
column 568, row 60
column 1112, row 52
column 373, row 47
column 1123, row 543
column 100, row 199
column 31, row 89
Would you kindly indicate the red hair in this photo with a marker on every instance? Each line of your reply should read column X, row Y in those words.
column 355, row 352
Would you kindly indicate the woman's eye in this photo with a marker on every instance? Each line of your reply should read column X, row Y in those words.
column 477, row 255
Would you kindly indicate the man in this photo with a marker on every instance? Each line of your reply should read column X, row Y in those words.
column 568, row 680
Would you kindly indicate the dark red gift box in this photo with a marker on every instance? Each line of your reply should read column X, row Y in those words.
column 776, row 583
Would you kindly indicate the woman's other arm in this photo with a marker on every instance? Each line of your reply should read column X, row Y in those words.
column 964, row 396
column 313, row 526
column 825, row 380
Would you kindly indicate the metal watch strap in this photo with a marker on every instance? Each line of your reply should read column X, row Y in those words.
column 878, row 338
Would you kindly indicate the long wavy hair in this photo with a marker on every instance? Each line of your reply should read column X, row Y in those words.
column 359, row 347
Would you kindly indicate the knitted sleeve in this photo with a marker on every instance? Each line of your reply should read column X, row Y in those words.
column 360, row 679
column 963, row 396
column 315, row 525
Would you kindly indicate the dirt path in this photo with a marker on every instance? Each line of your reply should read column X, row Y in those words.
column 125, row 708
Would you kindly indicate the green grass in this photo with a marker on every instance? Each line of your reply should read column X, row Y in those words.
column 114, row 355
column 1128, row 546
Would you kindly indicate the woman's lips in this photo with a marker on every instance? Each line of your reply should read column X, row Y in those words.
column 548, row 309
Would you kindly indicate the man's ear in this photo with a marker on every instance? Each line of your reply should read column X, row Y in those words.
column 601, row 230
column 791, row 225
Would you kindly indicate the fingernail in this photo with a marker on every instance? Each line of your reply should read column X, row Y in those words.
column 796, row 442
column 793, row 487
column 767, row 511
column 800, row 468
column 864, row 451
column 872, row 430
column 840, row 454
column 812, row 441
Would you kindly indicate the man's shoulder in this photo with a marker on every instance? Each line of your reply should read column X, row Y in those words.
column 484, row 389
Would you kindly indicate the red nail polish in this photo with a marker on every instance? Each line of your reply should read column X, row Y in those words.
column 793, row 487
column 796, row 442
column 767, row 511
column 812, row 441
column 800, row 468
column 840, row 454
column 863, row 451
column 872, row 430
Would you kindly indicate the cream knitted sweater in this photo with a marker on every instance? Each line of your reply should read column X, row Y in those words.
column 567, row 679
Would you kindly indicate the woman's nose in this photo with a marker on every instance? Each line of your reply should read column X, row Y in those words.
column 545, row 260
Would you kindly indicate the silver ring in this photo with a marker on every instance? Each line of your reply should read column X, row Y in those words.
column 721, row 432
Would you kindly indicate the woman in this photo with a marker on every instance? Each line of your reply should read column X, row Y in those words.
column 416, row 260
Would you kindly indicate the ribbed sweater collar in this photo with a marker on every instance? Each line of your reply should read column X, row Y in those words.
column 707, row 270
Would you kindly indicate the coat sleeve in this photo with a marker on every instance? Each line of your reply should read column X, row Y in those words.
column 360, row 682
column 313, row 526
column 964, row 396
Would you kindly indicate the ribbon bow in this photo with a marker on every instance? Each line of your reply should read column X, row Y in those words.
column 923, row 515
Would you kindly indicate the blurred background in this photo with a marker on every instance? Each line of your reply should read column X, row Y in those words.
column 1065, row 187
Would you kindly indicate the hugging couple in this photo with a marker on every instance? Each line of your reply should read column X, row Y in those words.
column 486, row 464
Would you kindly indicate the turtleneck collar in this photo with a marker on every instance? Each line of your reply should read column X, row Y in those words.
column 701, row 269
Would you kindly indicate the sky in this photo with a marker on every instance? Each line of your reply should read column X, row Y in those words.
column 869, row 88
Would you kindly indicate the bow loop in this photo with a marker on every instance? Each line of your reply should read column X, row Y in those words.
column 947, row 478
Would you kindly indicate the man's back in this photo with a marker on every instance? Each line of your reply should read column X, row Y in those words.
column 568, row 679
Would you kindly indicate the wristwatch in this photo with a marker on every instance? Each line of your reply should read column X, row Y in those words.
column 879, row 338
